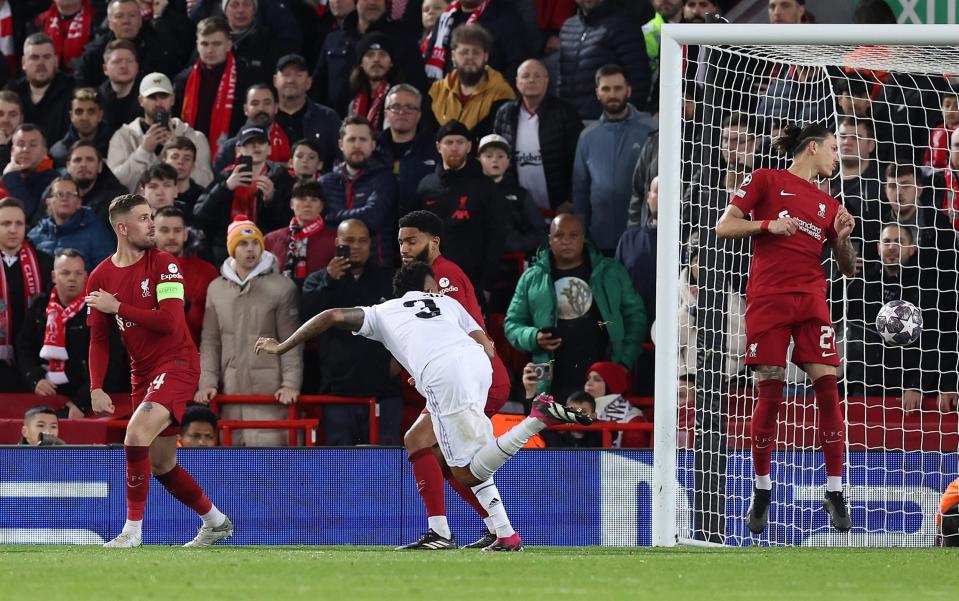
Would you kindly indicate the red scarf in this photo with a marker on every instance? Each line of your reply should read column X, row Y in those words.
column 54, row 348
column 7, row 47
column 296, row 251
column 222, row 105
column 436, row 61
column 279, row 145
column 372, row 110
column 68, row 44
column 32, row 285
column 246, row 198
column 950, row 200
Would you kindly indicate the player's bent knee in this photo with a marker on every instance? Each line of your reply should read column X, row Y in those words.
column 419, row 436
column 158, row 468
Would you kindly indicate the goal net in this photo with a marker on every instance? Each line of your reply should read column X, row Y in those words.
column 892, row 107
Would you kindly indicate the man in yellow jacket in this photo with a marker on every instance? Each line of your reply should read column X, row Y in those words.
column 473, row 91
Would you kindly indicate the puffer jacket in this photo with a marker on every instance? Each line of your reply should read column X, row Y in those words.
column 480, row 111
column 369, row 197
column 237, row 313
column 559, row 130
column 607, row 35
column 83, row 231
column 534, row 307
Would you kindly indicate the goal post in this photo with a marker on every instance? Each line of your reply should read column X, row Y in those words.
column 700, row 483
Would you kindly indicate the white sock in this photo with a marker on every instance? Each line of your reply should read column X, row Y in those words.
column 439, row 525
column 134, row 527
column 213, row 518
column 489, row 497
column 833, row 483
column 764, row 482
column 489, row 524
column 497, row 452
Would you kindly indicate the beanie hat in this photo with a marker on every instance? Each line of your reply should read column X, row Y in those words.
column 614, row 374
column 452, row 128
column 375, row 40
column 242, row 229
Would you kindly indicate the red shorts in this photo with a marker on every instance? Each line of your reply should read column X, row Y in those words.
column 772, row 320
column 172, row 386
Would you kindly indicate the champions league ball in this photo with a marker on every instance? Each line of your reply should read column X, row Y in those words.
column 899, row 322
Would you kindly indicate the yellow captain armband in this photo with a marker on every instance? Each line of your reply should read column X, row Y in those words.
column 168, row 290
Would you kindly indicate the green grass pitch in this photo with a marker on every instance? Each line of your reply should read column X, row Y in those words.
column 556, row 574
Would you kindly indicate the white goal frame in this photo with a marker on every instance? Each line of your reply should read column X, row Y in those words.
column 674, row 37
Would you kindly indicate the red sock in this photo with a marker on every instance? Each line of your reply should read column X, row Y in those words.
column 465, row 492
column 138, row 481
column 831, row 430
column 429, row 481
column 763, row 430
column 184, row 489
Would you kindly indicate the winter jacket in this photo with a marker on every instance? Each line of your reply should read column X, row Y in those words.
column 28, row 186
column 197, row 275
column 472, row 210
column 647, row 167
column 637, row 252
column 82, row 231
column 128, row 159
column 559, row 129
column 480, row 111
column 589, row 41
column 511, row 42
column 104, row 190
column 61, row 150
column 331, row 77
column 277, row 16
column 320, row 249
column 120, row 111
column 350, row 365
column 77, row 389
column 602, row 175
column 524, row 229
column 52, row 113
column 534, row 307
column 163, row 46
column 212, row 212
column 373, row 202
column 419, row 160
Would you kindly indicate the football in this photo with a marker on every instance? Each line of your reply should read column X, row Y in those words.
column 899, row 322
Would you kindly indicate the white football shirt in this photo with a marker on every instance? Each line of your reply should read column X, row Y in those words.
column 419, row 328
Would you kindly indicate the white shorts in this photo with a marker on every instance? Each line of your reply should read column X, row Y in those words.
column 456, row 389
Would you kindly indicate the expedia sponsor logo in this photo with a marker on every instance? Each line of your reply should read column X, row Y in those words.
column 171, row 276
column 449, row 289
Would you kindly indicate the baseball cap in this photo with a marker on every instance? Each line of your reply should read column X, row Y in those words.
column 494, row 140
column 248, row 134
column 291, row 59
column 153, row 83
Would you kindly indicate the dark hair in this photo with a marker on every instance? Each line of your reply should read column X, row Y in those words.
column 161, row 171
column 259, row 86
column 471, row 35
column 123, row 204
column 794, row 139
column 39, row 410
column 425, row 221
column 608, row 71
column 30, row 127
column 198, row 413
column 360, row 82
column 874, row 12
column 311, row 144
column 48, row 191
column 354, row 120
column 308, row 188
column 859, row 121
column 13, row 97
column 10, row 201
column 169, row 212
column 87, row 95
column 212, row 25
column 411, row 277
column 856, row 87
column 897, row 170
column 84, row 144
column 180, row 143
column 67, row 252
column 902, row 230
column 581, row 396
column 120, row 45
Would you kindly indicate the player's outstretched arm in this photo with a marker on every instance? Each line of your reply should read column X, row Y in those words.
column 348, row 319
column 733, row 224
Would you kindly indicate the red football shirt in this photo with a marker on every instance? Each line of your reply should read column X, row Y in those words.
column 787, row 263
column 141, row 288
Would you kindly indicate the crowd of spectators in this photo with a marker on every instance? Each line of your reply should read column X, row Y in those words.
column 279, row 144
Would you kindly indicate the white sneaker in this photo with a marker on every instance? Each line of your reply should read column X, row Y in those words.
column 125, row 540
column 208, row 535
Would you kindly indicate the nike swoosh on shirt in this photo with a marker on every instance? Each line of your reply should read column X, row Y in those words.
column 828, row 354
column 784, row 193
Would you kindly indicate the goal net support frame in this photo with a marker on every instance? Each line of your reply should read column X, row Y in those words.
column 672, row 514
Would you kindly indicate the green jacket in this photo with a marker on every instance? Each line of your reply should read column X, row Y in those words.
column 534, row 307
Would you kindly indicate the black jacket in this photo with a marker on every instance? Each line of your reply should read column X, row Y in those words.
column 52, row 113
column 60, row 150
column 587, row 42
column 104, row 190
column 77, row 389
column 472, row 209
column 419, row 160
column 559, row 129
column 350, row 365
column 523, row 222
column 331, row 77
column 163, row 46
column 119, row 110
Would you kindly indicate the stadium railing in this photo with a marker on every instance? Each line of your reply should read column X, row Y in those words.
column 294, row 426
column 607, row 429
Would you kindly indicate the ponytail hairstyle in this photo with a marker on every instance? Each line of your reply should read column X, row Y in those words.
column 794, row 138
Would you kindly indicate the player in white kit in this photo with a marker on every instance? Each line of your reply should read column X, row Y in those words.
column 448, row 355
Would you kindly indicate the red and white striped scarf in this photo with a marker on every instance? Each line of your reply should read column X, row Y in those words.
column 436, row 61
column 7, row 47
column 32, row 285
column 54, row 348
column 68, row 44
column 371, row 105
